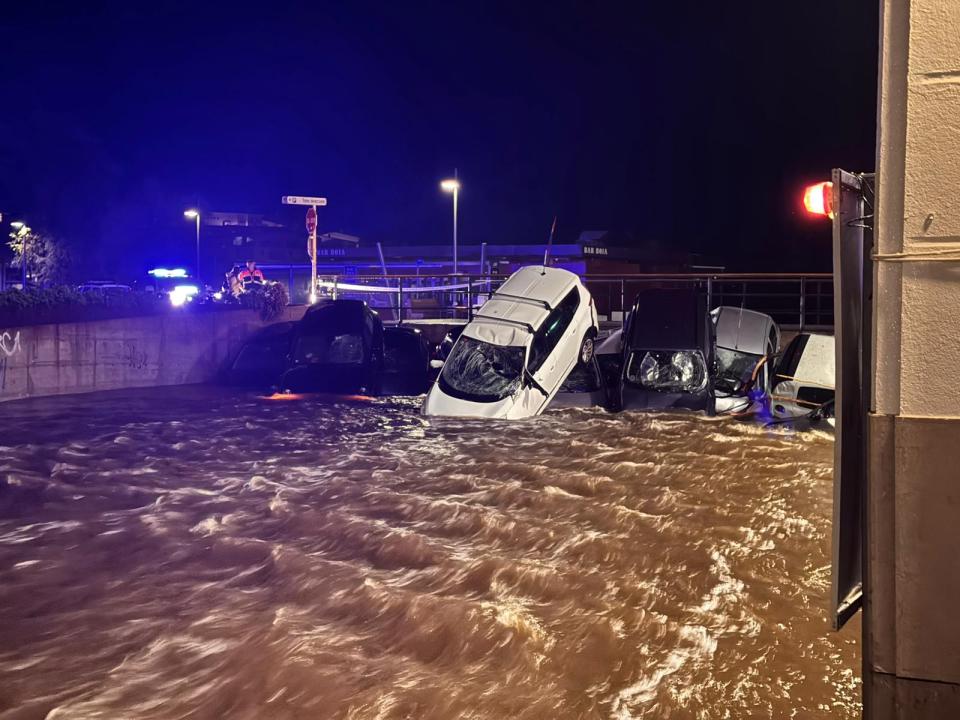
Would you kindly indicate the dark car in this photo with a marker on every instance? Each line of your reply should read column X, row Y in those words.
column 449, row 340
column 337, row 347
column 263, row 357
column 406, row 361
column 667, row 355
column 585, row 386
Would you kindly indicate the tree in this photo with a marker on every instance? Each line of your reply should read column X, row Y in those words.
column 47, row 258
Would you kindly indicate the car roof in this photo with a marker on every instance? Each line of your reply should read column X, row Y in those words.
column 741, row 329
column 817, row 362
column 521, row 304
column 669, row 318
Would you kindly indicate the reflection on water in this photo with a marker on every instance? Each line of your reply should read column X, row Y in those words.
column 188, row 552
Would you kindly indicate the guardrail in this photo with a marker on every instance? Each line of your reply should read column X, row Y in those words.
column 802, row 301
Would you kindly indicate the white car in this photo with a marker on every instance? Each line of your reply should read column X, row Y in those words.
column 805, row 381
column 522, row 344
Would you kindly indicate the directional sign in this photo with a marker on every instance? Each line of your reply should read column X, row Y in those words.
column 299, row 200
column 311, row 219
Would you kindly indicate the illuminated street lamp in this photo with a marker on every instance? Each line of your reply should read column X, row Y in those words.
column 452, row 185
column 194, row 214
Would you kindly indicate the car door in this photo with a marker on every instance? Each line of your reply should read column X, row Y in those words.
column 554, row 349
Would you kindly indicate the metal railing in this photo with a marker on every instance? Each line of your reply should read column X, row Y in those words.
column 802, row 301
column 796, row 300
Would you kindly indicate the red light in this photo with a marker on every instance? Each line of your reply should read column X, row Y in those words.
column 818, row 199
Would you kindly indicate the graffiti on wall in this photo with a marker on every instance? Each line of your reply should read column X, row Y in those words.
column 134, row 358
column 9, row 346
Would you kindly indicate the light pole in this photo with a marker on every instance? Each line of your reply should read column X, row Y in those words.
column 194, row 214
column 452, row 185
column 23, row 232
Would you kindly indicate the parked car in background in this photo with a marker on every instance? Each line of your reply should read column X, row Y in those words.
column 745, row 343
column 107, row 287
column 667, row 352
column 337, row 347
column 804, row 382
column 511, row 359
column 176, row 284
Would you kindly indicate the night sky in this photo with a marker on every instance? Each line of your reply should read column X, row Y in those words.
column 684, row 127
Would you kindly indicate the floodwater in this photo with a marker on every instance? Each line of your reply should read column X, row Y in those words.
column 202, row 553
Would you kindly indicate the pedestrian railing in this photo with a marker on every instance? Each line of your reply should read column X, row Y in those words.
column 802, row 301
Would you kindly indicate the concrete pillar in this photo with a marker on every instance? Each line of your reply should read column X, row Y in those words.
column 912, row 598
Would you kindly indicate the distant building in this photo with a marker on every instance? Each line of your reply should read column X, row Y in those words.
column 346, row 257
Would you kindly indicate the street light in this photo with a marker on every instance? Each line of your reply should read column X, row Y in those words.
column 452, row 185
column 194, row 214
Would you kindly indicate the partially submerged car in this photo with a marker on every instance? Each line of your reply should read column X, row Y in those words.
column 337, row 347
column 511, row 359
column 745, row 342
column 804, row 383
column 263, row 357
column 584, row 386
column 406, row 361
column 667, row 352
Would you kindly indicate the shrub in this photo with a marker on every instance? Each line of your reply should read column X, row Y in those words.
column 269, row 301
column 41, row 304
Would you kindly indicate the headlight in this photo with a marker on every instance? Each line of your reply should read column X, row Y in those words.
column 673, row 371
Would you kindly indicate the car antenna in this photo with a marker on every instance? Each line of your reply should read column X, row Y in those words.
column 743, row 301
column 546, row 252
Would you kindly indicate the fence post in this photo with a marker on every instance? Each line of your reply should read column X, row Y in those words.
column 623, row 295
column 469, row 298
column 709, row 294
column 803, row 301
column 399, row 300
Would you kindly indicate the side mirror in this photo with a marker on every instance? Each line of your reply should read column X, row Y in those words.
column 436, row 364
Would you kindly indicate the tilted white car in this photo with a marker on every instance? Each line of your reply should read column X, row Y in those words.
column 743, row 339
column 522, row 344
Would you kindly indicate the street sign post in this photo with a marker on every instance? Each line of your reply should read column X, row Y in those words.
column 311, row 221
column 312, row 249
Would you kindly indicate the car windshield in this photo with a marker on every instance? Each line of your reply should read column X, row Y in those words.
column 324, row 349
column 733, row 367
column 482, row 372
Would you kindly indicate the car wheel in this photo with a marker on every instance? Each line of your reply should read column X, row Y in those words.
column 586, row 350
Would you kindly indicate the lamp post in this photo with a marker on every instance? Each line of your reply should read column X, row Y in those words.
column 452, row 185
column 194, row 214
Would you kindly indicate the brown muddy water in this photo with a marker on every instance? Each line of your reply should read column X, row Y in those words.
column 199, row 553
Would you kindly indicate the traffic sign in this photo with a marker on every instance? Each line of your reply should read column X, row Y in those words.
column 300, row 200
column 311, row 220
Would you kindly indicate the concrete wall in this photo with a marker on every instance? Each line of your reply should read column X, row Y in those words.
column 170, row 349
column 912, row 622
